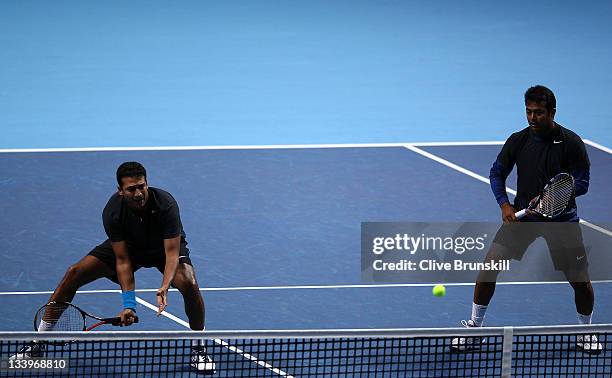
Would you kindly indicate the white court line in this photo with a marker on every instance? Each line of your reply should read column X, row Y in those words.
column 596, row 227
column 302, row 287
column 271, row 147
column 195, row 148
column 217, row 341
column 470, row 143
column 597, row 145
column 246, row 147
column 454, row 166
column 486, row 180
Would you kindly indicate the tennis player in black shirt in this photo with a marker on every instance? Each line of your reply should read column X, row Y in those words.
column 540, row 151
column 144, row 229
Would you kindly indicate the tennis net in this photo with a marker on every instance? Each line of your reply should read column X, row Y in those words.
column 500, row 352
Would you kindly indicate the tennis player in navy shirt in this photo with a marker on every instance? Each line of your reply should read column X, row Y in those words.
column 540, row 151
column 144, row 230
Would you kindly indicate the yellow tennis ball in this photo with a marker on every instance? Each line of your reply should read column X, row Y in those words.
column 439, row 291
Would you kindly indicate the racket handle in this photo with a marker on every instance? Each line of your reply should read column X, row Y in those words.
column 520, row 214
column 117, row 320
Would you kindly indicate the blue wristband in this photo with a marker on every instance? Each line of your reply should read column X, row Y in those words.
column 129, row 299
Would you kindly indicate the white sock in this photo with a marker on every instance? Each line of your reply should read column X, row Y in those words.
column 478, row 314
column 584, row 319
column 198, row 343
column 45, row 326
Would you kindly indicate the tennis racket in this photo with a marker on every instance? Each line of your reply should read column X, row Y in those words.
column 553, row 199
column 64, row 316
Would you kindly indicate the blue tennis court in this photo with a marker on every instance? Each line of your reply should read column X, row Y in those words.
column 274, row 233
column 283, row 254
column 280, row 128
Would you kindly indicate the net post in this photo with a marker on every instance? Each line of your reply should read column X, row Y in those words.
column 506, row 371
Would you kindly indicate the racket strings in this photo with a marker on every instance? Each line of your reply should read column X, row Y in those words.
column 59, row 317
column 557, row 196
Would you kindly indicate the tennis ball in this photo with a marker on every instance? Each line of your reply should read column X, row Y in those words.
column 439, row 291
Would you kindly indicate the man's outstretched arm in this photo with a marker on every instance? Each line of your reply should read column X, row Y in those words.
column 125, row 275
column 171, row 247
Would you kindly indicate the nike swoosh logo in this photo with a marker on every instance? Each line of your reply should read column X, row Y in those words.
column 557, row 141
column 578, row 258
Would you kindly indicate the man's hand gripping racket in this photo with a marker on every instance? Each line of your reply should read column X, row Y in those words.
column 64, row 316
column 554, row 198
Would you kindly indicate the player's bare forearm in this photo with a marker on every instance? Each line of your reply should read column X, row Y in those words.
column 125, row 275
column 171, row 247
column 123, row 265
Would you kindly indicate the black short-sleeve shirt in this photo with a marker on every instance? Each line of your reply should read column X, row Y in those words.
column 540, row 158
column 147, row 231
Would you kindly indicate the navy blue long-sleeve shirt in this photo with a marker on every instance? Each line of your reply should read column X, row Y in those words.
column 538, row 158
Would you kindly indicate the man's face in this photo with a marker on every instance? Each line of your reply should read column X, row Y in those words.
column 135, row 190
column 539, row 118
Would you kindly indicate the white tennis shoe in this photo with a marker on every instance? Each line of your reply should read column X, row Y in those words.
column 461, row 344
column 588, row 344
column 202, row 361
column 31, row 350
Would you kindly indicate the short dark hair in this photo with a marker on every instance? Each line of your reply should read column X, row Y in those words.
column 130, row 169
column 540, row 94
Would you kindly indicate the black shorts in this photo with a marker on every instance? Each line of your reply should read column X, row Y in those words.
column 564, row 240
column 140, row 259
